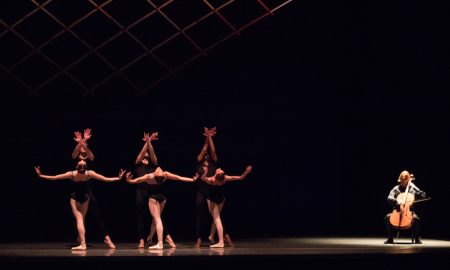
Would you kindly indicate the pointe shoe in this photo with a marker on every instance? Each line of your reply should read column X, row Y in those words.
column 228, row 241
column 141, row 243
column 109, row 243
column 198, row 243
column 170, row 241
column 157, row 246
column 218, row 245
column 211, row 239
column 82, row 246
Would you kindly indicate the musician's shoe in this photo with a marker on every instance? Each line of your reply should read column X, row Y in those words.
column 417, row 240
column 389, row 241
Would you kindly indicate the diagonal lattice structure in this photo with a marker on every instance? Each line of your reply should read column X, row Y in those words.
column 84, row 47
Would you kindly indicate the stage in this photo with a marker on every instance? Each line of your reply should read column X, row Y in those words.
column 291, row 253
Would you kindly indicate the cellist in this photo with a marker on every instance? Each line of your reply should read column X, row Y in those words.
column 405, row 183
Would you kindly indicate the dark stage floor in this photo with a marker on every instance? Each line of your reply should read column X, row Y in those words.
column 291, row 253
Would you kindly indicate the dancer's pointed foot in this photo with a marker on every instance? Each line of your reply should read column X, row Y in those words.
column 211, row 239
column 218, row 245
column 82, row 246
column 228, row 241
column 198, row 243
column 157, row 246
column 170, row 241
column 141, row 243
column 109, row 243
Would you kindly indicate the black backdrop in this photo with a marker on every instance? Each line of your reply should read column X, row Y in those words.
column 328, row 101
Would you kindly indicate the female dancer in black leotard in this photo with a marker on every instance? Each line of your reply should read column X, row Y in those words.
column 156, row 200
column 146, row 161
column 79, row 198
column 206, row 162
column 83, row 152
column 216, row 198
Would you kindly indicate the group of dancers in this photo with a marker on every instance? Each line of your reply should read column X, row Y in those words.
column 209, row 179
column 148, row 178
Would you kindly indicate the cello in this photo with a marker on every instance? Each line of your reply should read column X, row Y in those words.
column 402, row 218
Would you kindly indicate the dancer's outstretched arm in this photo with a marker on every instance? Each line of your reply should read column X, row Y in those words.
column 208, row 133
column 66, row 175
column 173, row 176
column 98, row 176
column 151, row 151
column 248, row 169
column 141, row 179
column 212, row 149
column 204, row 150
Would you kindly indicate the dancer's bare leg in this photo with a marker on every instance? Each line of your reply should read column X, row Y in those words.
column 214, row 209
column 212, row 232
column 153, row 225
column 79, row 211
column 168, row 238
column 226, row 237
column 152, row 231
column 155, row 210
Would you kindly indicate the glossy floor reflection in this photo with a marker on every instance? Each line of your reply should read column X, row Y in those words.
column 275, row 253
column 255, row 247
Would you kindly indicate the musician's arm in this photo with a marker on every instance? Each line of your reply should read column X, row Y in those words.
column 392, row 198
